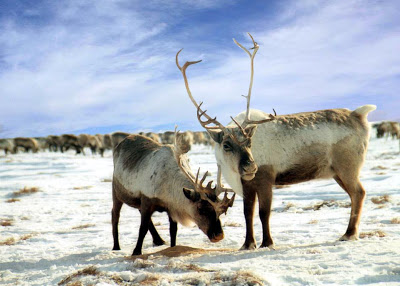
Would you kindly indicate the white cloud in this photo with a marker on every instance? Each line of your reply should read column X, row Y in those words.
column 103, row 64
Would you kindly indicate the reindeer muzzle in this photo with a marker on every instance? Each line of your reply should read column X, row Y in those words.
column 249, row 171
column 217, row 238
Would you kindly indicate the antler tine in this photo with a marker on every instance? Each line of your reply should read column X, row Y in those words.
column 204, row 178
column 248, row 97
column 209, row 120
column 183, row 71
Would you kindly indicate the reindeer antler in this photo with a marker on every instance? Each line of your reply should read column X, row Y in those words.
column 247, row 120
column 200, row 112
column 219, row 206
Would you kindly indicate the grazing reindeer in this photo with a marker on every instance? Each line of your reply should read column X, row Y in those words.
column 288, row 149
column 153, row 177
column 26, row 143
column 7, row 145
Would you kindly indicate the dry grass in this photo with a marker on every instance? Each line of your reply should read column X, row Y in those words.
column 6, row 222
column 243, row 277
column 141, row 263
column 380, row 167
column 75, row 283
column 381, row 200
column 106, row 180
column 83, row 226
column 8, row 241
column 313, row 221
column 82, row 188
column 13, row 200
column 25, row 191
column 395, row 220
column 313, row 251
column 374, row 233
column 150, row 280
column 91, row 270
column 331, row 203
column 288, row 206
column 232, row 224
column 12, row 240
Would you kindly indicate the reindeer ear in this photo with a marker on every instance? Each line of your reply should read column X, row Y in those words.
column 216, row 135
column 191, row 195
column 250, row 130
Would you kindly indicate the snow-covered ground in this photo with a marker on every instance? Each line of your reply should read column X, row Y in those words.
column 62, row 234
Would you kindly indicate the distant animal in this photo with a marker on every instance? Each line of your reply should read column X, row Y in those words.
column 395, row 130
column 71, row 141
column 54, row 143
column 28, row 144
column 167, row 137
column 288, row 149
column 198, row 137
column 186, row 140
column 117, row 137
column 153, row 177
column 388, row 128
column 42, row 142
column 153, row 136
column 7, row 145
column 107, row 142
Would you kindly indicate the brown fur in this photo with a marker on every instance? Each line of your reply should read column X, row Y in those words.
column 26, row 143
column 339, row 116
column 117, row 137
column 142, row 146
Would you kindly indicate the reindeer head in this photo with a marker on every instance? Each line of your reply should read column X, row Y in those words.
column 233, row 143
column 208, row 206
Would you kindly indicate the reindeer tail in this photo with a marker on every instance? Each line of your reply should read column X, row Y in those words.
column 364, row 110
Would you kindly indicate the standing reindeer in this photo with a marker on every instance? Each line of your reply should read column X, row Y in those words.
column 153, row 177
column 287, row 149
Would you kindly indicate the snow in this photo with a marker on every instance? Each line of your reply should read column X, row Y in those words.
column 62, row 230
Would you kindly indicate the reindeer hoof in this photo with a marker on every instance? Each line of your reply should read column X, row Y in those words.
column 137, row 252
column 158, row 242
column 249, row 246
column 349, row 237
column 269, row 246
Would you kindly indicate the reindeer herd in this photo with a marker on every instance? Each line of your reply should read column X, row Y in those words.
column 387, row 129
column 254, row 152
column 98, row 143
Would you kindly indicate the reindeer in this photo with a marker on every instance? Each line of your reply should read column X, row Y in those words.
column 71, row 140
column 153, row 177
column 287, row 149
column 117, row 137
column 7, row 145
column 26, row 143
column 54, row 143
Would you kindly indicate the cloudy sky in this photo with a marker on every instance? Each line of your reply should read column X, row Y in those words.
column 101, row 66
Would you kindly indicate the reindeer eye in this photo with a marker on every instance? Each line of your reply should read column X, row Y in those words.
column 227, row 147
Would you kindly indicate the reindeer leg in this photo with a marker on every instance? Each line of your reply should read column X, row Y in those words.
column 357, row 195
column 157, row 240
column 173, row 229
column 265, row 202
column 249, row 201
column 117, row 205
column 146, row 210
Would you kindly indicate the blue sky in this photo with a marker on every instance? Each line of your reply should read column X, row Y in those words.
column 102, row 66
